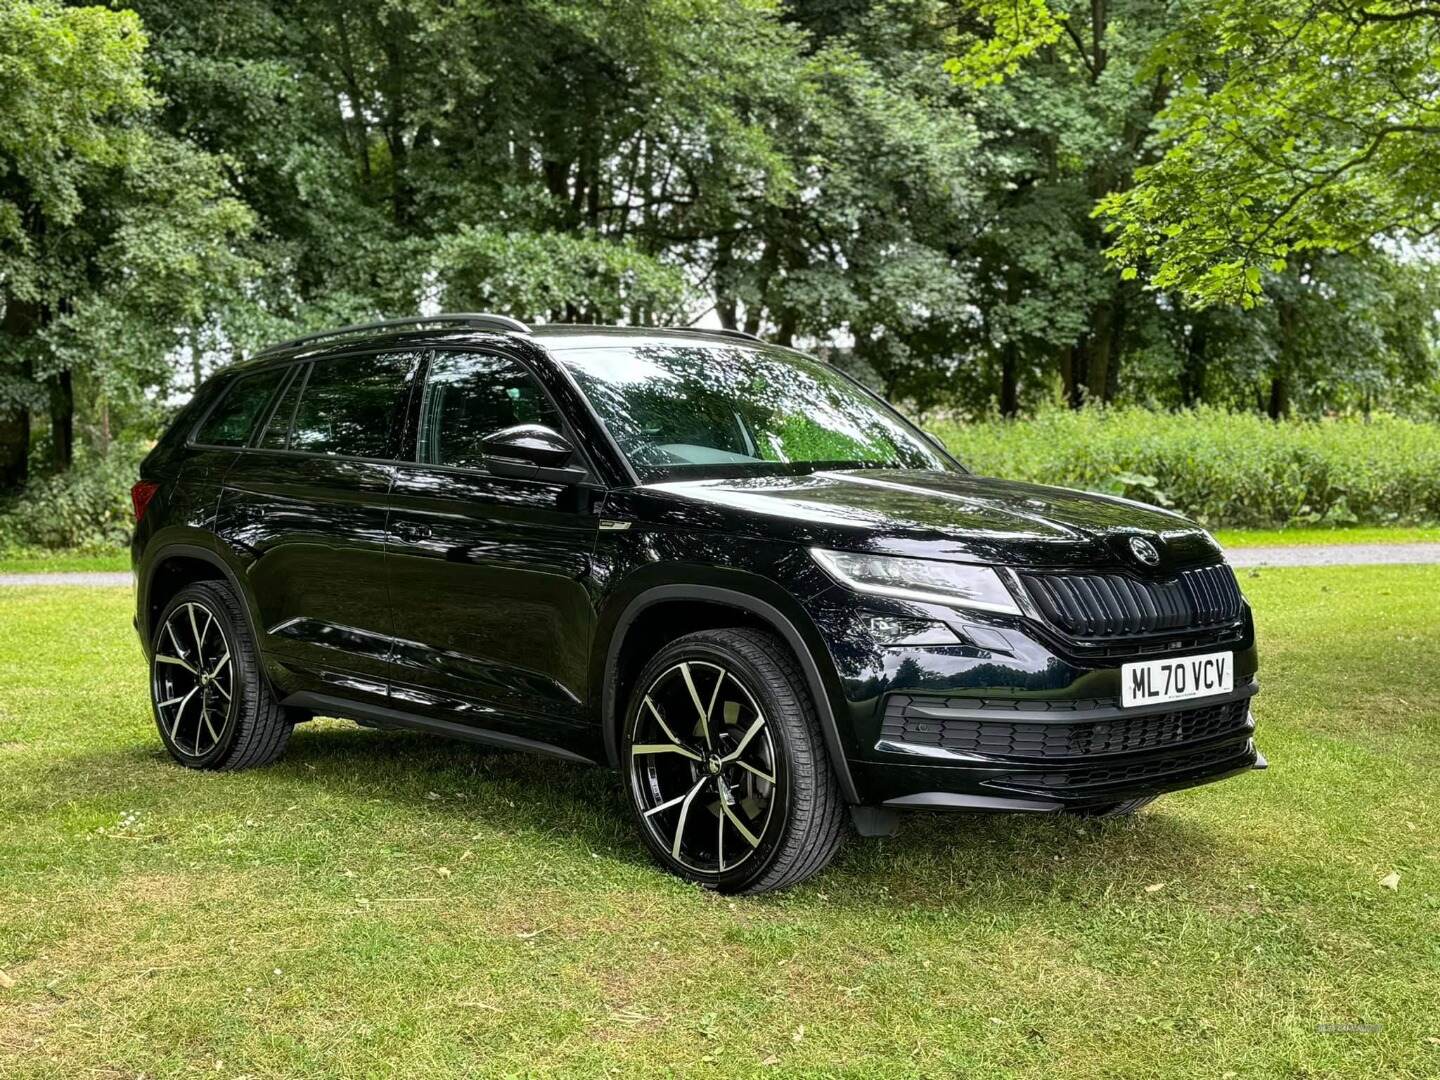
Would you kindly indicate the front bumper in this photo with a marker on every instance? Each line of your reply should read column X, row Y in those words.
column 1023, row 724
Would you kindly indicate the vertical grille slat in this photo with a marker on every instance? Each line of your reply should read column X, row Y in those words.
column 1097, row 607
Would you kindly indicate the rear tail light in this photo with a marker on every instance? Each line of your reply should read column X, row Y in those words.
column 140, row 496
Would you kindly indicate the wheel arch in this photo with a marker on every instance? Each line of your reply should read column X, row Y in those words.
column 753, row 611
column 175, row 566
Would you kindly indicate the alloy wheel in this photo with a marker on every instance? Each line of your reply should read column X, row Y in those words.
column 703, row 767
column 193, row 679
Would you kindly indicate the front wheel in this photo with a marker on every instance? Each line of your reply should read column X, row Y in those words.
column 725, row 765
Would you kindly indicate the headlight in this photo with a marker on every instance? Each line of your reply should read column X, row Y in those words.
column 954, row 584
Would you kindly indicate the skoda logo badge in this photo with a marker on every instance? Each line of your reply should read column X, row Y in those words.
column 1144, row 550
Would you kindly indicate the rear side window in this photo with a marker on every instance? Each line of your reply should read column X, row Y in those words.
column 241, row 404
column 352, row 406
column 471, row 395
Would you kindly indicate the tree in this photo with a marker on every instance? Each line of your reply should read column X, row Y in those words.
column 1286, row 128
column 112, row 237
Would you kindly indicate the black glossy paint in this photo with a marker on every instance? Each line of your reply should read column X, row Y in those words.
column 506, row 607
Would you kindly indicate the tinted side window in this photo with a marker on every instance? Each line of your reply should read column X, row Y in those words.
column 469, row 396
column 352, row 405
column 242, row 403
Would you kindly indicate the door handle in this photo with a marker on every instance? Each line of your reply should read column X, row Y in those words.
column 411, row 533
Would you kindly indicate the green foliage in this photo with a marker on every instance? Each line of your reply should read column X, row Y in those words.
column 529, row 274
column 1224, row 469
column 1281, row 128
column 117, row 239
column 87, row 508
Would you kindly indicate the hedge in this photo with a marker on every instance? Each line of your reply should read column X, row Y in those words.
column 1234, row 470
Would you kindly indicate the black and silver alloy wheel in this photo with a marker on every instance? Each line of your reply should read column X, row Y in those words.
column 703, row 766
column 213, row 705
column 725, row 765
column 193, row 680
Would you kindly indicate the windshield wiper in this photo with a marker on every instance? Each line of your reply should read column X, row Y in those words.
column 816, row 466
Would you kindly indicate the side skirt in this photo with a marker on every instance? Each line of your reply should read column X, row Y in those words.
column 382, row 716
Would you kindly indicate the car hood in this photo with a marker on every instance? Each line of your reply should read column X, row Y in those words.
column 945, row 515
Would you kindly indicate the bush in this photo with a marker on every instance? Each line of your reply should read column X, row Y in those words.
column 1236, row 470
column 87, row 508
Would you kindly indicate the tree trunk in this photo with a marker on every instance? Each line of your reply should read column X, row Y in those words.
column 1070, row 376
column 1010, row 352
column 62, row 422
column 1010, row 380
column 1192, row 370
column 21, row 320
column 726, row 306
column 1279, row 404
column 14, row 449
column 1102, row 340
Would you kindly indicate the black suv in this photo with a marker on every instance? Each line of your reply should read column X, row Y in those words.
column 720, row 566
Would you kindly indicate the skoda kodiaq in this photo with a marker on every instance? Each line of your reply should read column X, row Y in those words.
column 719, row 566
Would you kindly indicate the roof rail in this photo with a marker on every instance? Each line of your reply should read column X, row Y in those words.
column 723, row 331
column 728, row 332
column 480, row 320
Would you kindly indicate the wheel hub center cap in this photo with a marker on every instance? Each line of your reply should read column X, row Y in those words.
column 713, row 764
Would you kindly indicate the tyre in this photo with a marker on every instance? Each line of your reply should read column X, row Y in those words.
column 725, row 765
column 212, row 703
column 1115, row 810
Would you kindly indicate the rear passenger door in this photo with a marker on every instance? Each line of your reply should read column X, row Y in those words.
column 489, row 574
column 307, row 501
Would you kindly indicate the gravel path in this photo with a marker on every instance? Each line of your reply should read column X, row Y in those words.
column 1315, row 555
column 1335, row 555
column 87, row 577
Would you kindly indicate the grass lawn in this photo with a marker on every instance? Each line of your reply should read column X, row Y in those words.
column 40, row 561
column 1299, row 537
column 392, row 904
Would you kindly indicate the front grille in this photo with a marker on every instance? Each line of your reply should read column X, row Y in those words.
column 1097, row 607
column 1122, row 773
column 922, row 722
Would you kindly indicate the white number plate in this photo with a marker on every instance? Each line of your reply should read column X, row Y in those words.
column 1177, row 679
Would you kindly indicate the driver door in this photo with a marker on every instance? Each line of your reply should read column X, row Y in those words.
column 488, row 574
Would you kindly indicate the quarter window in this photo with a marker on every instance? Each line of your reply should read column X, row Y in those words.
column 352, row 406
column 233, row 417
column 471, row 395
column 277, row 431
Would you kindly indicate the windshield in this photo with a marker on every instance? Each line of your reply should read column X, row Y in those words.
column 711, row 409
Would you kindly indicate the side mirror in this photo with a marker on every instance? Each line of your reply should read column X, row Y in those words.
column 530, row 452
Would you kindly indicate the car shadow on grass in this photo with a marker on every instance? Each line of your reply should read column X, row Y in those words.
column 936, row 860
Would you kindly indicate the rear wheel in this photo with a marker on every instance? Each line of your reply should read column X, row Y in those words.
column 212, row 704
column 726, row 769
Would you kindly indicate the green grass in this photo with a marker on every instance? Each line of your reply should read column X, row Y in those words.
column 392, row 904
column 40, row 561
column 1391, row 534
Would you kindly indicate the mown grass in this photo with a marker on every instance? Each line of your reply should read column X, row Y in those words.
column 41, row 561
column 1302, row 537
column 392, row 904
